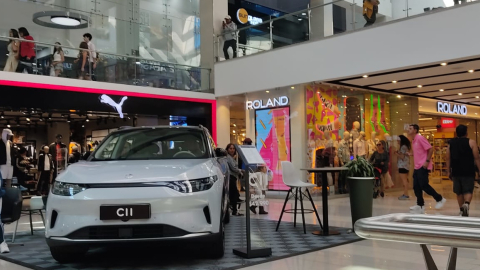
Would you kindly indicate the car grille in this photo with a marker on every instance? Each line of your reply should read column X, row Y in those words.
column 127, row 232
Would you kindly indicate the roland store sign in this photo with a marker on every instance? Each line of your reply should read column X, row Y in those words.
column 243, row 17
column 450, row 108
column 270, row 103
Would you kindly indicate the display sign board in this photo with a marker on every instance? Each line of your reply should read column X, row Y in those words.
column 260, row 104
column 243, row 17
column 450, row 108
column 448, row 122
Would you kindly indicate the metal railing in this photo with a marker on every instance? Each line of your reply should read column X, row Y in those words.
column 450, row 231
column 313, row 23
column 116, row 68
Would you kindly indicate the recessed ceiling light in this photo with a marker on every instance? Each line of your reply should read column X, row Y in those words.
column 477, row 97
column 234, row 125
column 419, row 86
column 405, row 104
column 234, row 131
column 366, row 99
column 399, row 96
column 365, row 76
column 394, row 81
column 443, row 64
column 459, row 94
column 441, row 90
column 388, row 101
column 304, row 13
column 293, row 87
column 299, row 19
column 267, row 91
column 471, row 71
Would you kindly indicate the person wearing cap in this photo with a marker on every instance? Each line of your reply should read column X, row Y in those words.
column 229, row 32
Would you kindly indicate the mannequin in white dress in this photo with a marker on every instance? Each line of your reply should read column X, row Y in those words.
column 354, row 134
column 360, row 146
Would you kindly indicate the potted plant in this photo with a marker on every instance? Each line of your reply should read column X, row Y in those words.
column 361, row 179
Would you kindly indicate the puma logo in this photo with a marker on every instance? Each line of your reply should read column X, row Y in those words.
column 117, row 106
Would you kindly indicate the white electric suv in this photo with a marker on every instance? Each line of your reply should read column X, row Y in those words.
column 141, row 184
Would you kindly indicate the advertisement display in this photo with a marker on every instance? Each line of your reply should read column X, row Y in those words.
column 273, row 141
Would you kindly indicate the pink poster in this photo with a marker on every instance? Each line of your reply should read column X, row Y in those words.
column 273, row 141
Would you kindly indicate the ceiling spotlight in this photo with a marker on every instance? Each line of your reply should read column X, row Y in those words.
column 28, row 119
column 50, row 116
column 2, row 115
column 83, row 126
column 405, row 104
column 87, row 120
column 299, row 19
column 303, row 13
column 267, row 91
column 233, row 131
column 388, row 101
column 443, row 64
column 398, row 96
column 477, row 97
column 471, row 71
column 394, row 81
column 419, row 86
column 365, row 76
column 293, row 87
column 460, row 94
column 441, row 90
column 234, row 125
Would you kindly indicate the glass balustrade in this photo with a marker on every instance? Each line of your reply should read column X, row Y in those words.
column 329, row 18
column 112, row 68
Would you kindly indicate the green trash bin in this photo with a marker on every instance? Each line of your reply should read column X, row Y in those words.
column 361, row 197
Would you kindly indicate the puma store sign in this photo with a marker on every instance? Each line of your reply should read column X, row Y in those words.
column 446, row 107
column 271, row 102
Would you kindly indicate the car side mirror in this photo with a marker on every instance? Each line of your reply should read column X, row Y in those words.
column 220, row 152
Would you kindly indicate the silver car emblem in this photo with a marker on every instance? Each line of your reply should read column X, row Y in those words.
column 129, row 176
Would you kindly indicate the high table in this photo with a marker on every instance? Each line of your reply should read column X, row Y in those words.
column 324, row 171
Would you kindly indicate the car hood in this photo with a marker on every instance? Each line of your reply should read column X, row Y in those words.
column 136, row 171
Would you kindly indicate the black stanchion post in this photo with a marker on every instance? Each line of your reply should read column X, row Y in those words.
column 248, row 252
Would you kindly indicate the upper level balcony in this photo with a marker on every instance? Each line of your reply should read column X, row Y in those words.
column 332, row 40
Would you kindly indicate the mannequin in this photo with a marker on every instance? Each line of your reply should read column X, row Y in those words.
column 360, row 146
column 343, row 157
column 354, row 134
column 372, row 144
column 7, row 157
column 57, row 156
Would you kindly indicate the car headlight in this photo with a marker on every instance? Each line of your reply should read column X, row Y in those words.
column 190, row 186
column 67, row 189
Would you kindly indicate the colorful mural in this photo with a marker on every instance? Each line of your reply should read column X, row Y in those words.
column 273, row 141
column 377, row 111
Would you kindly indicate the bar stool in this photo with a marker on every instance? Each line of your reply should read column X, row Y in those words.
column 292, row 179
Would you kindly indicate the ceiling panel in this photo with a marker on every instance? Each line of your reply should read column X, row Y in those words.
column 455, row 85
column 465, row 76
column 413, row 74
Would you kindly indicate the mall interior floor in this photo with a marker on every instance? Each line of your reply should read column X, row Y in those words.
column 363, row 255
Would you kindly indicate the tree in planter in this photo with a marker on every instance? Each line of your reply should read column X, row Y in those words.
column 360, row 167
column 361, row 177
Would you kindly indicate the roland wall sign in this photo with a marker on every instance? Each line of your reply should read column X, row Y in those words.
column 450, row 108
column 270, row 103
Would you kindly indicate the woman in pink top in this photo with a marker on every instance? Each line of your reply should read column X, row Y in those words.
column 422, row 154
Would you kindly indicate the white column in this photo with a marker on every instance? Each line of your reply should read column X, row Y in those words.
column 298, row 137
column 223, row 122
column 212, row 12
column 321, row 20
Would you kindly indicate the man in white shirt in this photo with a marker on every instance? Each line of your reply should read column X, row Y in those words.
column 87, row 37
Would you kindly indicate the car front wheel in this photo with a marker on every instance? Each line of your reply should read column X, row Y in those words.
column 68, row 254
column 217, row 249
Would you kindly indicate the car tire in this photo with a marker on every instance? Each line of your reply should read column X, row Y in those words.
column 68, row 254
column 217, row 249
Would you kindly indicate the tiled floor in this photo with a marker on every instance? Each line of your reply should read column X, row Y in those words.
column 364, row 255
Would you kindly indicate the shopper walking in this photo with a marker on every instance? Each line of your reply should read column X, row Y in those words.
column 403, row 164
column 370, row 10
column 83, row 67
column 235, row 173
column 462, row 155
column 380, row 159
column 26, row 53
column 58, row 59
column 230, row 36
column 46, row 169
column 13, row 47
column 422, row 154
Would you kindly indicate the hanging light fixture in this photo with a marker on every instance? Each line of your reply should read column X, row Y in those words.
column 61, row 19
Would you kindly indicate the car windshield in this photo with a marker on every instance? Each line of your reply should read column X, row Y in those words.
column 153, row 143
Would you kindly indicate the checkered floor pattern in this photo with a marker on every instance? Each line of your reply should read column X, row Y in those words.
column 288, row 241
